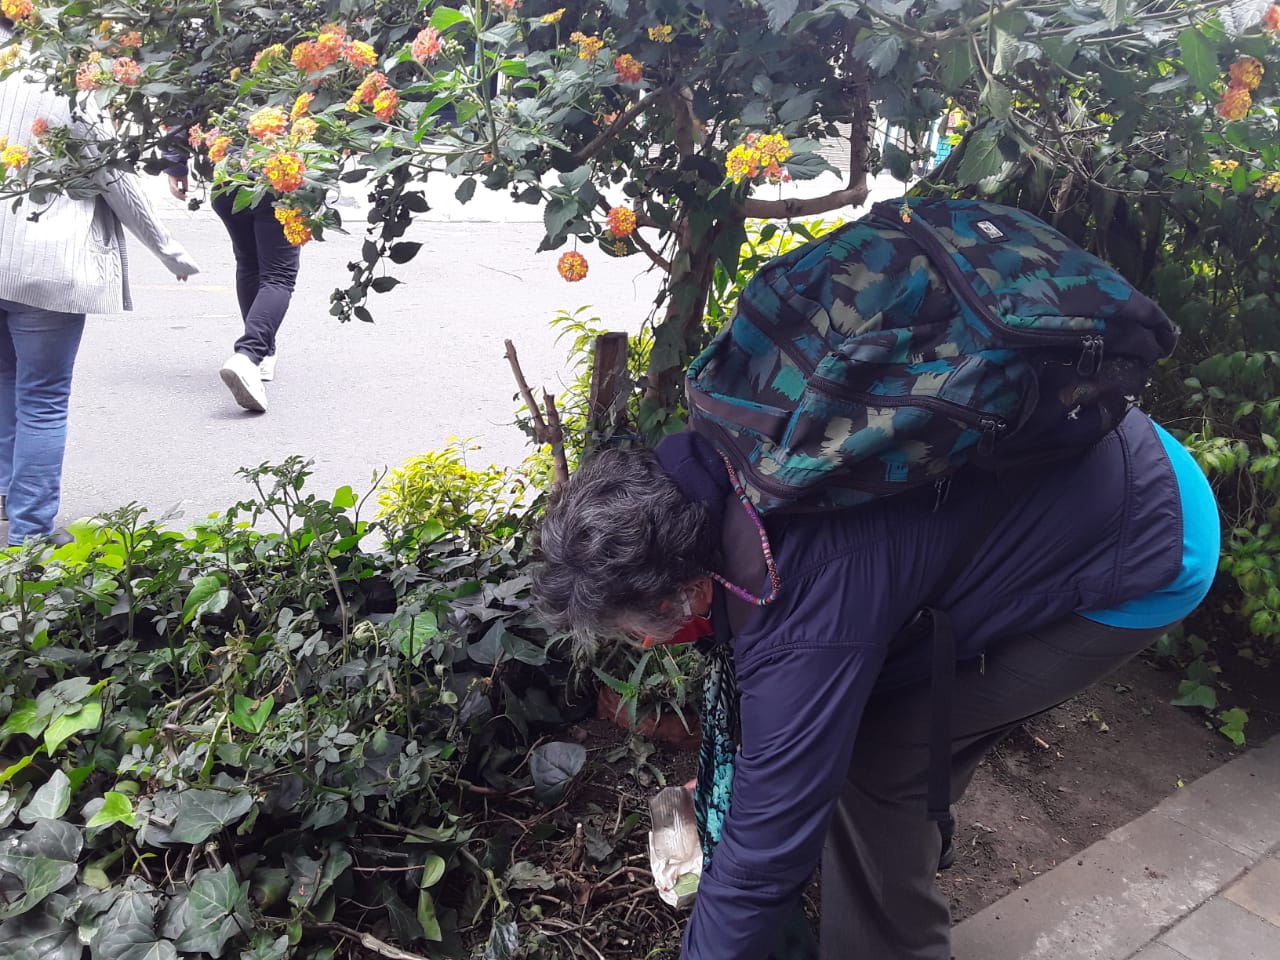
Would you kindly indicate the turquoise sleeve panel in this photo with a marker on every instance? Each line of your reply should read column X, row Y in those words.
column 1201, row 542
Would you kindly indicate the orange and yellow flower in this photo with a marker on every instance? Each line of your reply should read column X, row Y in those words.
column 1235, row 104
column 359, row 54
column 553, row 17
column 15, row 157
column 131, row 39
column 301, row 105
column 384, row 105
column 629, row 69
column 312, row 56
column 757, row 156
column 126, row 71
column 367, row 91
column 40, row 128
column 304, row 129
column 588, row 47
column 218, row 149
column 267, row 56
column 661, row 33
column 426, row 45
column 285, row 171
column 92, row 75
column 572, row 266
column 1271, row 19
column 296, row 230
column 621, row 221
column 269, row 121
column 195, row 136
column 1269, row 184
column 17, row 9
column 1247, row 72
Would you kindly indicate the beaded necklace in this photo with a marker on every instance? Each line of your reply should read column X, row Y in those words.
column 775, row 582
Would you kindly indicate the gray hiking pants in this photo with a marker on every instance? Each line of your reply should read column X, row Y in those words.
column 879, row 900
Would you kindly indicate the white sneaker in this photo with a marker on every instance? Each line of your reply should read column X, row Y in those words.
column 267, row 368
column 242, row 378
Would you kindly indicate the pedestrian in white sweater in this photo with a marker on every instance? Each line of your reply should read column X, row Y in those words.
column 54, row 269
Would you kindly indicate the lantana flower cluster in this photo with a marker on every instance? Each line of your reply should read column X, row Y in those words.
column 759, row 156
column 1246, row 73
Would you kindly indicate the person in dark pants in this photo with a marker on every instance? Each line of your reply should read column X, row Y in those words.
column 1086, row 563
column 266, row 273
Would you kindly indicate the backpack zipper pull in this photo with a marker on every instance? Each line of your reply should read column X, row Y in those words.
column 991, row 429
column 1090, row 356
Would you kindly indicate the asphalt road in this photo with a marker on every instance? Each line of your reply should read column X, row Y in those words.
column 152, row 422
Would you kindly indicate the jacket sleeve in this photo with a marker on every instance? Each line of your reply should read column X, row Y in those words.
column 800, row 708
column 123, row 193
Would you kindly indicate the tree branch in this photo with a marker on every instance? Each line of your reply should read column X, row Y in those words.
column 585, row 153
column 539, row 425
column 811, row 207
column 548, row 430
column 556, row 433
column 368, row 941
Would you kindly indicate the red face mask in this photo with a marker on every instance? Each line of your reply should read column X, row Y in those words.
column 693, row 629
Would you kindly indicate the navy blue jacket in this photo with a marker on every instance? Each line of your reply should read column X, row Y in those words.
column 1085, row 535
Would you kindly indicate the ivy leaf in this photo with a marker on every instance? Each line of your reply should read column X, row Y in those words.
column 504, row 937
column 69, row 724
column 10, row 801
column 49, row 802
column 199, row 814
column 1192, row 693
column 1233, row 723
column 219, row 906
column 553, row 767
column 432, row 870
column 116, row 808
column 1200, row 59
column 23, row 718
column 128, row 931
column 427, row 916
column 262, row 947
column 42, row 934
column 39, row 876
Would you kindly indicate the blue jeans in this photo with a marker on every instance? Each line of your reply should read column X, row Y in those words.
column 37, row 355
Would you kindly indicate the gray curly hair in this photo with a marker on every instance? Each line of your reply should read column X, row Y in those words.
column 621, row 546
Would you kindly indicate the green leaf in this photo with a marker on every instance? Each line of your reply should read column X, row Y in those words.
column 998, row 100
column 553, row 767
column 442, row 18
column 219, row 906
column 116, row 808
column 128, row 931
column 39, row 877
column 779, row 11
column 262, row 947
column 1116, row 11
column 432, row 870
column 344, row 498
column 557, row 215
column 1200, row 60
column 199, row 814
column 957, row 65
column 68, row 725
column 11, row 771
column 466, row 190
column 1192, row 693
column 1233, row 723
column 10, row 801
column 404, row 252
column 982, row 157
column 23, row 718
column 50, row 801
column 427, row 916
column 249, row 715
column 43, row 934
column 203, row 590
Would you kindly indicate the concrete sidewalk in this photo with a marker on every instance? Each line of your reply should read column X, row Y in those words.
column 1197, row 878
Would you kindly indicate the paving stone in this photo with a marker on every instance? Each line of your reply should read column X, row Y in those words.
column 1109, row 901
column 1235, row 803
column 1221, row 930
column 1259, row 891
column 1158, row 951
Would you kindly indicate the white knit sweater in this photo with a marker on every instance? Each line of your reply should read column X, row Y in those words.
column 72, row 259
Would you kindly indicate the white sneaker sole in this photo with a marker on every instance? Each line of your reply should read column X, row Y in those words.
column 241, row 390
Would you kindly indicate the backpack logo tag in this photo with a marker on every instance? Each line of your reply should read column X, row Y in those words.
column 990, row 231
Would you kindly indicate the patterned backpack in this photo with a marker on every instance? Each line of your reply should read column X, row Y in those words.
column 924, row 336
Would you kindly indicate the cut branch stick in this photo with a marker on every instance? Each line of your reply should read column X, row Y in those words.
column 546, row 429
column 368, row 941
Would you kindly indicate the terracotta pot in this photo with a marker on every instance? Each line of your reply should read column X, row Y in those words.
column 667, row 729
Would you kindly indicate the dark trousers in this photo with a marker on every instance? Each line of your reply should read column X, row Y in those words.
column 879, row 900
column 266, row 271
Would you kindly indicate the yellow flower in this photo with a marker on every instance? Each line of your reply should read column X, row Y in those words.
column 218, row 149
column 554, row 16
column 304, row 129
column 296, row 230
column 285, row 171
column 621, row 222
column 359, row 54
column 1223, row 167
column 301, row 105
column 740, row 164
column 15, row 157
column 660, row 34
column 267, row 121
column 17, row 9
column 774, row 146
column 267, row 56
column 588, row 47
column 1269, row 184
column 384, row 105
column 628, row 69
column 7, row 57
